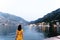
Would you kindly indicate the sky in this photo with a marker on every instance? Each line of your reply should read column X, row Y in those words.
column 29, row 10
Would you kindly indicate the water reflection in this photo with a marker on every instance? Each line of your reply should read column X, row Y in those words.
column 31, row 34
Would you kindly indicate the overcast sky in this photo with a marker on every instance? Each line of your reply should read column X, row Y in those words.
column 29, row 9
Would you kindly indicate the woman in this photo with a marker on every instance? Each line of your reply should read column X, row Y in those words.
column 19, row 33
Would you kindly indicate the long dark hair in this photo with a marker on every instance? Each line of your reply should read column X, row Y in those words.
column 19, row 27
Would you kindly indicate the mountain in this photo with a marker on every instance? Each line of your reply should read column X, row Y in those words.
column 9, row 23
column 54, row 15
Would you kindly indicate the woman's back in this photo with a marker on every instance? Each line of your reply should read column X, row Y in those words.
column 19, row 35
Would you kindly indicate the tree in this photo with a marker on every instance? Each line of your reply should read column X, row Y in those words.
column 52, row 31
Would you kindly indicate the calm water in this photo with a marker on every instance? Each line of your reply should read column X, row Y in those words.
column 28, row 35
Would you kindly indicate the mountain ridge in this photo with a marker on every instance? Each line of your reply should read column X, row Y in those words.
column 54, row 15
column 9, row 23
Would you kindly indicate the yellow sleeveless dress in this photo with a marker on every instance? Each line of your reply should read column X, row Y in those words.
column 19, row 35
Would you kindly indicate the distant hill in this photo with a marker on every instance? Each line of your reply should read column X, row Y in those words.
column 54, row 15
column 9, row 23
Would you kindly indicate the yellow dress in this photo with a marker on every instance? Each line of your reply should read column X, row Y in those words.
column 19, row 35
